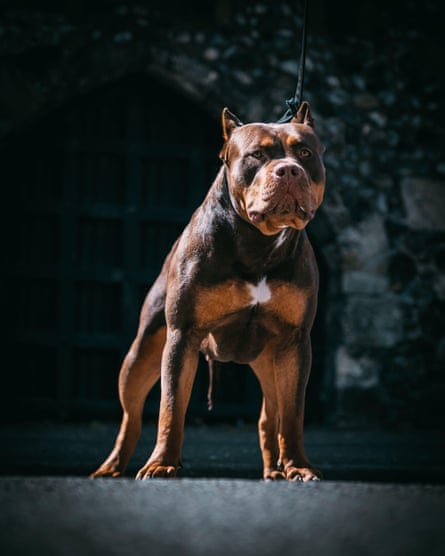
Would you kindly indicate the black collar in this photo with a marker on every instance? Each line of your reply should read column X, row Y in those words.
column 226, row 193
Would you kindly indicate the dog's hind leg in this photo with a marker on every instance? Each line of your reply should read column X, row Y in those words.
column 140, row 371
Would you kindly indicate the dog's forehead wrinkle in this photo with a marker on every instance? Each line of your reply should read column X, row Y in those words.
column 253, row 136
column 255, row 133
column 269, row 135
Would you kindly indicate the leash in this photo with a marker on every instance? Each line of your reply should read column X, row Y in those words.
column 294, row 102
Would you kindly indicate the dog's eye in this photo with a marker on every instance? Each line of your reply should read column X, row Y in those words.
column 304, row 153
column 257, row 154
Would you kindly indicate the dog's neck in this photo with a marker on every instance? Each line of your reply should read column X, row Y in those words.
column 250, row 246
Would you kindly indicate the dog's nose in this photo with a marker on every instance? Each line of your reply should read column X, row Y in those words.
column 285, row 171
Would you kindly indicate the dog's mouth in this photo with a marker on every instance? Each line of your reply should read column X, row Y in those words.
column 283, row 212
column 305, row 215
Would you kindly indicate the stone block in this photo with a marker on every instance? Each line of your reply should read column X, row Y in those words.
column 360, row 373
column 424, row 202
column 364, row 283
column 365, row 247
column 372, row 321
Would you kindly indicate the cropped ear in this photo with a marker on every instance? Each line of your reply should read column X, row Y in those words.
column 229, row 123
column 304, row 116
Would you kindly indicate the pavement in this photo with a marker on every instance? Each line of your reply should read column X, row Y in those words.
column 382, row 493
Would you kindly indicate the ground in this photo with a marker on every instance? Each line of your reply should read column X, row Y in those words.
column 382, row 493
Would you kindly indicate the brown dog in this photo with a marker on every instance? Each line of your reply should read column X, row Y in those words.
column 240, row 284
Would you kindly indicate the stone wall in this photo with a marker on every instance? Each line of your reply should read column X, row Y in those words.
column 378, row 104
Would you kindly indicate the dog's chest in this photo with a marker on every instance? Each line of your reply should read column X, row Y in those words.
column 266, row 301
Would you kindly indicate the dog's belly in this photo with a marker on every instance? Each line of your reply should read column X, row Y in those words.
column 241, row 340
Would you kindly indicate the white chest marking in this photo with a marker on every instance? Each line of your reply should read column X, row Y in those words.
column 260, row 293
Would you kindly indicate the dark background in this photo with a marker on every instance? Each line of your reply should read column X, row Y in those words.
column 109, row 126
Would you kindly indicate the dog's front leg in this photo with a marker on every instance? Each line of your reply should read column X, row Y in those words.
column 179, row 364
column 292, row 367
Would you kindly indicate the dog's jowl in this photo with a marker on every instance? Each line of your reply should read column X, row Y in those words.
column 240, row 284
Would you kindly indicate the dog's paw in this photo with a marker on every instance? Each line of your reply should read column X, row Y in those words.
column 304, row 474
column 274, row 475
column 156, row 471
column 292, row 473
column 107, row 470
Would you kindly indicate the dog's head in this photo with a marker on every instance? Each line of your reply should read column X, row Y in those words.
column 275, row 172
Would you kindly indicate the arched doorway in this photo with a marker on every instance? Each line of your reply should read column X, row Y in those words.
column 98, row 193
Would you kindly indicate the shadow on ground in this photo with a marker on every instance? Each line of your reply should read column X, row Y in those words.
column 226, row 452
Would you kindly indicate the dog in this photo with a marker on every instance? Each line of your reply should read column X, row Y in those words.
column 240, row 284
